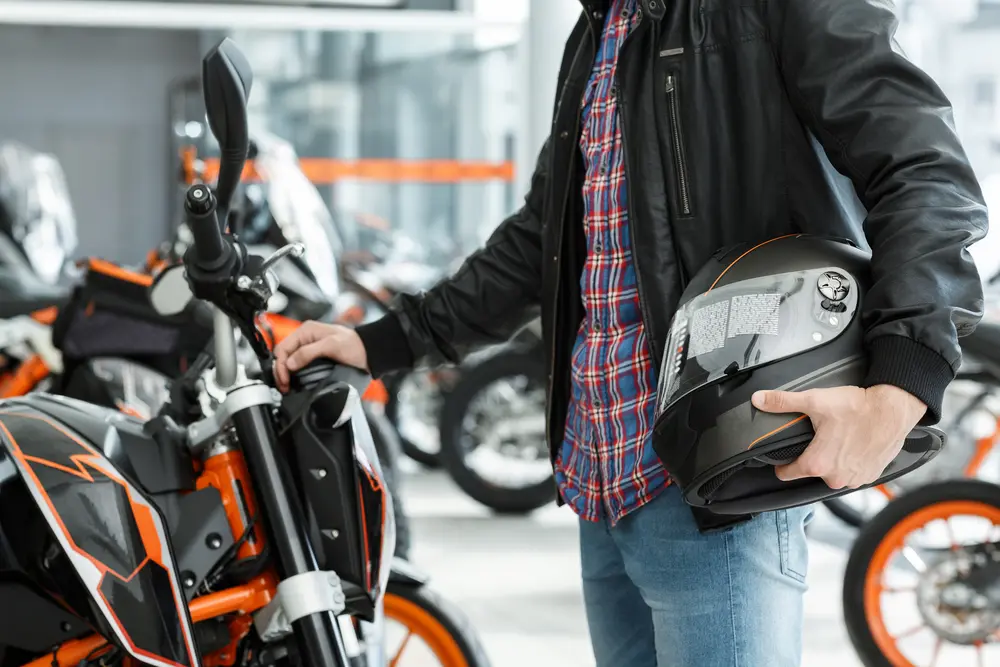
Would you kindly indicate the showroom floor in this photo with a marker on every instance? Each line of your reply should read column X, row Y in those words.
column 518, row 578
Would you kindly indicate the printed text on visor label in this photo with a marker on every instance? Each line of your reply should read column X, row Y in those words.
column 742, row 315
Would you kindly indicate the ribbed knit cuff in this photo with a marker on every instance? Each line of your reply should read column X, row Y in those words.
column 913, row 367
column 386, row 345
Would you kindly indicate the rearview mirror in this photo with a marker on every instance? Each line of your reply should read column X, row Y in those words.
column 226, row 80
column 170, row 292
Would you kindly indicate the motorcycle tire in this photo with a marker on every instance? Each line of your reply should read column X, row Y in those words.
column 500, row 499
column 870, row 542
column 389, row 450
column 445, row 630
column 430, row 460
column 846, row 512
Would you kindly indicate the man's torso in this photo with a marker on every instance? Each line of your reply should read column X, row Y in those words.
column 605, row 465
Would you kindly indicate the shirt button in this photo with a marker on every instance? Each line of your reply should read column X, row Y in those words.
column 564, row 134
column 598, row 14
column 596, row 326
column 614, row 91
column 598, row 246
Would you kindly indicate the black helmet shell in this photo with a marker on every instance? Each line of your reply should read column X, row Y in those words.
column 783, row 314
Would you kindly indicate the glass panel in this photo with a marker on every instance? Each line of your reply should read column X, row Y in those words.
column 751, row 323
column 402, row 135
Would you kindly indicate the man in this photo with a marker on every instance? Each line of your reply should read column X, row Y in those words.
column 683, row 126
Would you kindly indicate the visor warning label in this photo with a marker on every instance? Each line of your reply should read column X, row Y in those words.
column 743, row 315
column 754, row 314
column 708, row 328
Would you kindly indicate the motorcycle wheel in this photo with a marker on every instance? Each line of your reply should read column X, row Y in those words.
column 869, row 566
column 388, row 447
column 427, row 458
column 445, row 632
column 456, row 445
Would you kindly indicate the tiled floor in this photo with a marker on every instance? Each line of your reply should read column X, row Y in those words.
column 517, row 578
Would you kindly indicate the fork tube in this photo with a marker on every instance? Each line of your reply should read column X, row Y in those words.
column 318, row 636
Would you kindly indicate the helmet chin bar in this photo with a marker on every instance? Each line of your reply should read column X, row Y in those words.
column 748, row 484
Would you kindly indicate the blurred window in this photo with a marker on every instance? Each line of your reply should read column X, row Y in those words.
column 985, row 94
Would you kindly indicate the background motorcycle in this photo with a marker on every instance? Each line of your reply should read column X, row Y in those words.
column 922, row 584
column 36, row 215
column 493, row 427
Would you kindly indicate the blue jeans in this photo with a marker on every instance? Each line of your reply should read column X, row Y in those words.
column 660, row 594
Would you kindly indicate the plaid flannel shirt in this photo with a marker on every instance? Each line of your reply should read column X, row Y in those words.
column 606, row 465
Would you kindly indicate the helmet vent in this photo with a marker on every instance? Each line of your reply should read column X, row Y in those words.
column 784, row 455
column 714, row 484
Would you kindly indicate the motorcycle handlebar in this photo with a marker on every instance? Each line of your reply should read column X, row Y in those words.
column 209, row 247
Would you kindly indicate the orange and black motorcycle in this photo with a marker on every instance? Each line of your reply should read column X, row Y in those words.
column 239, row 526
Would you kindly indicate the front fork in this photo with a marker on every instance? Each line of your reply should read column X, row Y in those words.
column 317, row 632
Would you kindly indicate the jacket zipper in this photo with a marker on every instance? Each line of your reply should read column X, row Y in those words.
column 675, row 132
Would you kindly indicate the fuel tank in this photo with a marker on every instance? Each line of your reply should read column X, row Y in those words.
column 83, row 546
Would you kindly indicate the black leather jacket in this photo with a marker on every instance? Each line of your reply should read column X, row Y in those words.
column 737, row 117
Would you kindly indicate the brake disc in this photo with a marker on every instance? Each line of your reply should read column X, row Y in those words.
column 959, row 597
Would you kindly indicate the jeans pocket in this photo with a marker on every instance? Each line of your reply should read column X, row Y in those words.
column 792, row 543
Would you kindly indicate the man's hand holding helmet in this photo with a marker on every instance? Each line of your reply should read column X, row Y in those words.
column 858, row 431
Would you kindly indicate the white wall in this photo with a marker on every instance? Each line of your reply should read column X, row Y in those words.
column 97, row 99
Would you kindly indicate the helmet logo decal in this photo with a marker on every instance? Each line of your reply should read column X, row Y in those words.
column 833, row 286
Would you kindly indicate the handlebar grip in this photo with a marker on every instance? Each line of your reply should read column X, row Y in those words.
column 210, row 249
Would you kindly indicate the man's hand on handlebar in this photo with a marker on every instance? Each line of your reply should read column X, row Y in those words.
column 313, row 340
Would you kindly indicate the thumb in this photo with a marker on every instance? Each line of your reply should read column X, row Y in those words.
column 781, row 401
column 791, row 471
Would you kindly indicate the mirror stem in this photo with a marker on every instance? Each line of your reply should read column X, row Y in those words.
column 231, row 166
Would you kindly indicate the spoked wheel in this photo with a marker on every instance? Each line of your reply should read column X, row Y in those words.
column 922, row 586
column 493, row 433
column 422, row 630
column 414, row 405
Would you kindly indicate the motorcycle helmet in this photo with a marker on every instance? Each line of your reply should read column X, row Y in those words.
column 783, row 314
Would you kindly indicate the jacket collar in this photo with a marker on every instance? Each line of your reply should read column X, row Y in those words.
column 604, row 5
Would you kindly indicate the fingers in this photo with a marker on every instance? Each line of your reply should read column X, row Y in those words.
column 305, row 355
column 304, row 335
column 821, row 460
column 782, row 401
column 800, row 469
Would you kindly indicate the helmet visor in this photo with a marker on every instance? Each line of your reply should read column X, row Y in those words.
column 753, row 322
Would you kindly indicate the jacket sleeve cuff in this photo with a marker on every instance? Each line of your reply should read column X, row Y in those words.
column 914, row 368
column 386, row 345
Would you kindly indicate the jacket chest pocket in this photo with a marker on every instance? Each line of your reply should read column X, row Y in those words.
column 725, row 24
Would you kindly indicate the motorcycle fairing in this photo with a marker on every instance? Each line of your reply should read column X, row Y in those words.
column 111, row 532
